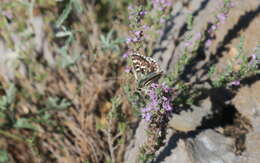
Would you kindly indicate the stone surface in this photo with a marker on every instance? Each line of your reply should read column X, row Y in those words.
column 205, row 147
column 132, row 150
column 179, row 154
column 190, row 120
column 210, row 146
column 251, row 154
column 247, row 102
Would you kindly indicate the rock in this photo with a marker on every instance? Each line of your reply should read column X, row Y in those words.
column 207, row 147
column 210, row 147
column 190, row 120
column 132, row 151
column 251, row 155
column 179, row 154
column 247, row 102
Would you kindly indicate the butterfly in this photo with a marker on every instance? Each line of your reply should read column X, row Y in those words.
column 146, row 69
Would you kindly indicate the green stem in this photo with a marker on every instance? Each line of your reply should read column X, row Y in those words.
column 12, row 136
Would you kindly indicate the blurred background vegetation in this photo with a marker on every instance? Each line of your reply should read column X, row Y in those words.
column 61, row 67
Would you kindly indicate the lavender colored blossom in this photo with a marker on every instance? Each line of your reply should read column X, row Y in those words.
column 8, row 14
column 167, row 3
column 130, row 17
column 147, row 109
column 187, row 44
column 155, row 3
column 252, row 59
column 130, row 8
column 253, row 56
column 232, row 4
column 222, row 17
column 125, row 55
column 162, row 20
column 234, row 83
column 165, row 88
column 147, row 116
column 145, row 27
column 159, row 32
column 212, row 28
column 161, row 4
column 197, row 36
column 208, row 43
column 127, row 69
column 138, row 33
column 159, row 100
column 135, row 39
column 154, row 105
column 128, row 40
column 154, row 86
column 152, row 95
column 142, row 13
column 166, row 105
column 164, row 98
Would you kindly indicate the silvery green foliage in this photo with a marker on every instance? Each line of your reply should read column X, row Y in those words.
column 8, row 99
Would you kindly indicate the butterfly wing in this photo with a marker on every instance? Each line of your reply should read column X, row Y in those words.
column 144, row 65
column 149, row 79
column 146, row 68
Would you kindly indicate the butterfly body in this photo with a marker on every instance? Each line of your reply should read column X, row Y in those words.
column 146, row 69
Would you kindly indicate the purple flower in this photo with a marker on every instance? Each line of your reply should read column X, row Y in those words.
column 135, row 39
column 7, row 14
column 162, row 20
column 161, row 4
column 154, row 86
column 154, row 104
column 146, row 109
column 138, row 33
column 130, row 8
column 252, row 59
column 197, row 36
column 129, row 40
column 167, row 106
column 153, row 97
column 222, row 17
column 232, row 4
column 167, row 3
column 142, row 13
column 146, row 113
column 187, row 44
column 125, row 55
column 208, row 43
column 165, row 88
column 146, row 116
column 212, row 28
column 234, row 83
column 127, row 69
column 151, row 93
column 130, row 17
column 146, row 27
column 159, row 32
column 253, row 56
column 159, row 100
column 155, row 3
column 164, row 98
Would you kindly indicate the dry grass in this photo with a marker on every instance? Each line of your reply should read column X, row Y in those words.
column 69, row 134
